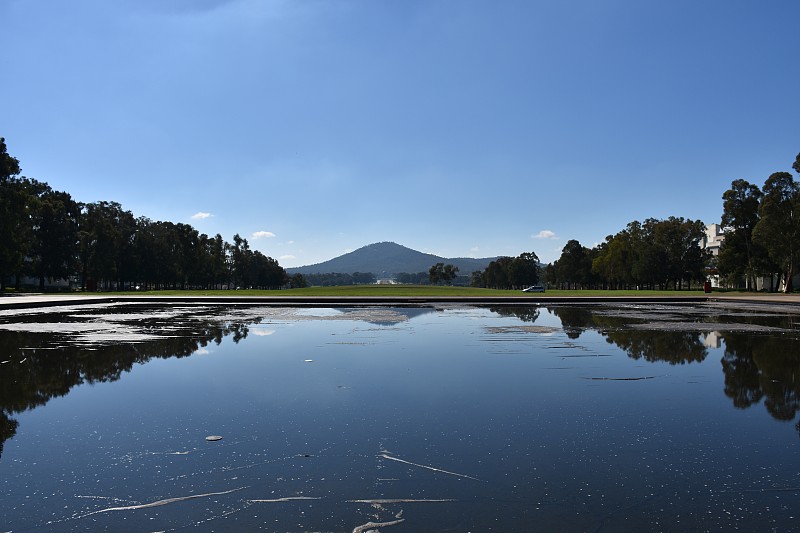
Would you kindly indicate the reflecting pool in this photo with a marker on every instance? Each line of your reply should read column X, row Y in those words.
column 562, row 417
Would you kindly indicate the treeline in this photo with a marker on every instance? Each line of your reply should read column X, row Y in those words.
column 47, row 235
column 415, row 278
column 509, row 273
column 332, row 279
column 654, row 254
column 762, row 231
column 761, row 228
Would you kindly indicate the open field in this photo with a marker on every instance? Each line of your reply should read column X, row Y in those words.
column 405, row 291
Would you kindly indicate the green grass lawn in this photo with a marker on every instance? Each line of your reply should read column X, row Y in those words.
column 406, row 291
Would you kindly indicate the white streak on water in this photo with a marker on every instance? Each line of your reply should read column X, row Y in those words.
column 427, row 467
column 373, row 525
column 160, row 502
column 401, row 500
column 287, row 499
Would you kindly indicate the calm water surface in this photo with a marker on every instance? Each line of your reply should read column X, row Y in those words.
column 570, row 418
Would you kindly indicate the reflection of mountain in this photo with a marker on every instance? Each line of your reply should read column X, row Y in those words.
column 41, row 371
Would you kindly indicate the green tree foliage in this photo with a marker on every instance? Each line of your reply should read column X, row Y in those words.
column 740, row 258
column 9, row 166
column 48, row 235
column 418, row 278
column 297, row 281
column 54, row 243
column 574, row 268
column 524, row 270
column 778, row 228
column 364, row 278
column 107, row 242
column 14, row 223
column 13, row 215
column 653, row 254
column 441, row 273
column 509, row 273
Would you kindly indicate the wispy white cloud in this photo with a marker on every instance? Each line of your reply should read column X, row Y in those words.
column 286, row 257
column 263, row 234
column 200, row 215
column 474, row 251
column 545, row 234
column 262, row 332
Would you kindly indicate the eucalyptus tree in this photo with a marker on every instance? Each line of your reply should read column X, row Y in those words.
column 265, row 272
column 524, row 270
column 217, row 252
column 9, row 166
column 738, row 254
column 778, row 228
column 496, row 276
column 53, row 251
column 107, row 236
column 614, row 260
column 677, row 242
column 441, row 273
column 12, row 216
column 574, row 266
column 240, row 259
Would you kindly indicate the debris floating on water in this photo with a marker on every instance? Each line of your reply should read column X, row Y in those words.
column 160, row 502
column 621, row 379
column 400, row 500
column 385, row 456
column 287, row 499
column 213, row 438
column 375, row 525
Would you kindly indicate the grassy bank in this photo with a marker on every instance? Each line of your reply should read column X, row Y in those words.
column 408, row 291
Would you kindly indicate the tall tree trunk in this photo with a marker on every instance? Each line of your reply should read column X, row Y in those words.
column 787, row 286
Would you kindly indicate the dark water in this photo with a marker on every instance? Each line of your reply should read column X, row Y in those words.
column 568, row 418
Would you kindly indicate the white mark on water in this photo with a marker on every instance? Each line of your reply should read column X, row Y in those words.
column 374, row 525
column 427, row 467
column 160, row 502
column 287, row 499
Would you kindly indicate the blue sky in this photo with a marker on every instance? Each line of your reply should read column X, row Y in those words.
column 459, row 128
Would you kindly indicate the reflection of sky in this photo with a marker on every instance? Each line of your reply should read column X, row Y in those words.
column 537, row 418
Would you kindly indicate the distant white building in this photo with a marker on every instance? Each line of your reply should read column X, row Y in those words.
column 712, row 241
column 713, row 238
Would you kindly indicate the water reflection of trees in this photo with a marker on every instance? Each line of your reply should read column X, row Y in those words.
column 755, row 367
column 526, row 314
column 764, row 367
column 673, row 347
column 40, row 372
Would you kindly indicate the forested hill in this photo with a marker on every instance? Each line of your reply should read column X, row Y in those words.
column 388, row 258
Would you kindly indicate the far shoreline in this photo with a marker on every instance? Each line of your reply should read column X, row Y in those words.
column 280, row 298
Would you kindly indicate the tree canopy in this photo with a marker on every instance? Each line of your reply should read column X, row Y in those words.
column 47, row 235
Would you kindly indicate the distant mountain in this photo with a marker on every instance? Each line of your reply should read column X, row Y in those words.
column 387, row 259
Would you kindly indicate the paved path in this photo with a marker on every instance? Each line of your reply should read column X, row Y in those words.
column 51, row 300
